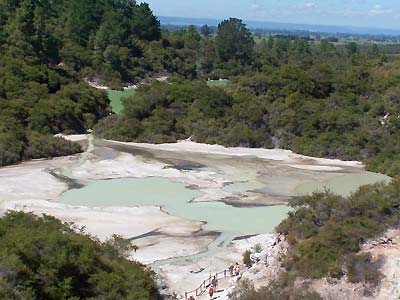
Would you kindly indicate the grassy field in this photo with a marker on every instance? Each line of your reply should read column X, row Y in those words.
column 116, row 98
column 218, row 83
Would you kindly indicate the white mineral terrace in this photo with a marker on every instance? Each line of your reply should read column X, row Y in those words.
column 183, row 204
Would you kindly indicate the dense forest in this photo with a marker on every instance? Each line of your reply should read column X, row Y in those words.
column 47, row 48
column 42, row 258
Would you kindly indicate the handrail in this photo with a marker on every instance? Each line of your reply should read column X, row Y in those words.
column 206, row 283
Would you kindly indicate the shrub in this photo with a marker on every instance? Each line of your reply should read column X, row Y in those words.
column 246, row 259
column 361, row 268
column 278, row 289
column 257, row 248
column 42, row 258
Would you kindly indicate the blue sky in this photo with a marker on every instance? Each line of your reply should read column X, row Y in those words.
column 363, row 13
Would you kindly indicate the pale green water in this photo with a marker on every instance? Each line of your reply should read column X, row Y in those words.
column 238, row 187
column 175, row 200
column 231, row 222
column 130, row 192
column 218, row 83
column 344, row 184
column 243, row 179
column 116, row 98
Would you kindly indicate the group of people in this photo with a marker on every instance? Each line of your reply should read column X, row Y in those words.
column 211, row 291
column 234, row 270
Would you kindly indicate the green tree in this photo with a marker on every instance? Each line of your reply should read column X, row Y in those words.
column 206, row 30
column 192, row 37
column 145, row 25
column 234, row 41
column 352, row 48
column 326, row 47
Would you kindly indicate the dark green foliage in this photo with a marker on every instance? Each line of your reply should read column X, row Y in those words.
column 41, row 258
column 279, row 289
column 165, row 112
column 361, row 268
column 234, row 41
column 325, row 230
column 37, row 102
column 206, row 30
column 246, row 258
column 100, row 39
column 48, row 146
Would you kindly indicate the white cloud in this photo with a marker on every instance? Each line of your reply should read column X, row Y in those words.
column 310, row 5
column 257, row 9
column 379, row 10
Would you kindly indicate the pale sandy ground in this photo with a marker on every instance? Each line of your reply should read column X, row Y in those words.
column 98, row 86
column 155, row 248
column 316, row 168
column 31, row 180
column 271, row 154
column 73, row 137
column 188, row 274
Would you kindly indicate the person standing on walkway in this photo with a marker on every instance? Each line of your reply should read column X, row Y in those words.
column 211, row 291
column 237, row 269
column 214, row 282
column 231, row 269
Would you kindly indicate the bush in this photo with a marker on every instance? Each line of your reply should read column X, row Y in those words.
column 49, row 146
column 257, row 248
column 246, row 259
column 326, row 230
column 42, row 258
column 278, row 289
column 361, row 268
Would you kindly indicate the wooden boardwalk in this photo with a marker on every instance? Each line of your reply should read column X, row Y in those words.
column 201, row 293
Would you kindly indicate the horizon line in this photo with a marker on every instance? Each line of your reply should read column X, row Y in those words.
column 286, row 23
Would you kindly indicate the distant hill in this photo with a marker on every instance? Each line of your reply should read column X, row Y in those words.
column 180, row 21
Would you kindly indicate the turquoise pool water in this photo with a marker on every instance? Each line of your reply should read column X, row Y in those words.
column 175, row 199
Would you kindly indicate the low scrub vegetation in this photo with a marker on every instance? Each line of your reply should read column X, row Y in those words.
column 247, row 259
column 361, row 268
column 278, row 289
column 326, row 231
column 42, row 258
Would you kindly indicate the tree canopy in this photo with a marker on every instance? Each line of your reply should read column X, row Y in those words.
column 47, row 49
column 234, row 41
column 206, row 30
